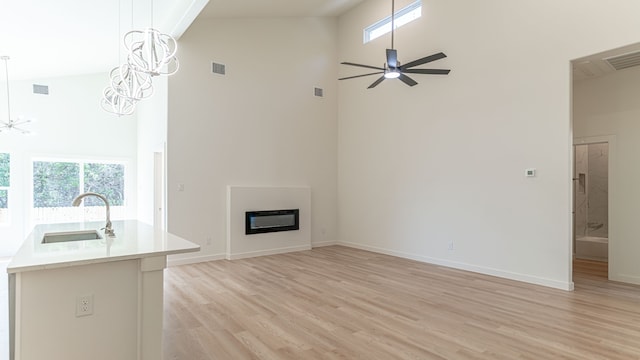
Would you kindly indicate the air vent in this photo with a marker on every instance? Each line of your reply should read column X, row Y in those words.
column 218, row 68
column 624, row 61
column 318, row 92
column 40, row 89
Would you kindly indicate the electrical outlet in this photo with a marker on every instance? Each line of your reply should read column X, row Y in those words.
column 84, row 305
column 450, row 246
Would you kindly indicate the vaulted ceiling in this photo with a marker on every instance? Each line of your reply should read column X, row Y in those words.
column 66, row 37
column 273, row 8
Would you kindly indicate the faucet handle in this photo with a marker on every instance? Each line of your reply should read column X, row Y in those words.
column 109, row 232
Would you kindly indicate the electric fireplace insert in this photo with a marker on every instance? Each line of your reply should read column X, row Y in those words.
column 259, row 222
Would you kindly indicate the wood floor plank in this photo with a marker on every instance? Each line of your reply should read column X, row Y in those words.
column 341, row 303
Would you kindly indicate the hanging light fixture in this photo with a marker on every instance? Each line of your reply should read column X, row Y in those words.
column 125, row 89
column 126, row 86
column 151, row 52
column 131, row 84
column 116, row 104
column 19, row 122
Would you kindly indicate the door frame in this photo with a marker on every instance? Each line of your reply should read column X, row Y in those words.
column 159, row 191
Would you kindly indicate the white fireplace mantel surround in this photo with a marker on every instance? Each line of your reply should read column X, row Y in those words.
column 241, row 199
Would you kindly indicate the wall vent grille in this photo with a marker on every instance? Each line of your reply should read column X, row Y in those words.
column 318, row 92
column 218, row 68
column 40, row 89
column 624, row 61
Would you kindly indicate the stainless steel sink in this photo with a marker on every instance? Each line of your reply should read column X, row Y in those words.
column 64, row 236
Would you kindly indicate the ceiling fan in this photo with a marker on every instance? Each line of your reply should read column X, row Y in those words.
column 392, row 69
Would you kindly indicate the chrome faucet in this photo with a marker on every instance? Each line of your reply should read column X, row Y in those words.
column 107, row 228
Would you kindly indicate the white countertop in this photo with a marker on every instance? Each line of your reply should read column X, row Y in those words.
column 133, row 240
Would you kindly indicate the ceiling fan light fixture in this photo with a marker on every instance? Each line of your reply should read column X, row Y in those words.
column 392, row 74
column 393, row 70
column 11, row 124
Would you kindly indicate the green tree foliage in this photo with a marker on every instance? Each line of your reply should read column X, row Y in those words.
column 55, row 184
column 105, row 179
column 4, row 169
column 5, row 165
column 4, row 199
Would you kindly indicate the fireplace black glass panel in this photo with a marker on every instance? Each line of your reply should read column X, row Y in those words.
column 258, row 222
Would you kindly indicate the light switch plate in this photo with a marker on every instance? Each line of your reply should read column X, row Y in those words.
column 530, row 172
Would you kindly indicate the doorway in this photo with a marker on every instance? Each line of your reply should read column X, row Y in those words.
column 605, row 101
column 591, row 178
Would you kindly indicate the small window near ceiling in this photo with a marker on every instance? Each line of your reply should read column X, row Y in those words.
column 402, row 17
column 5, row 181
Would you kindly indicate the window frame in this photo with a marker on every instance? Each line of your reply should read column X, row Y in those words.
column 405, row 11
column 82, row 160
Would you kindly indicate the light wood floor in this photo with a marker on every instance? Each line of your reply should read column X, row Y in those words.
column 341, row 303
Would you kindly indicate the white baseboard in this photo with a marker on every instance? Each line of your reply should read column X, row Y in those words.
column 630, row 279
column 316, row 244
column 468, row 267
column 245, row 255
column 172, row 261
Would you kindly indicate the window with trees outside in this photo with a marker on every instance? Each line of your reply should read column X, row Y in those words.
column 57, row 183
column 5, row 182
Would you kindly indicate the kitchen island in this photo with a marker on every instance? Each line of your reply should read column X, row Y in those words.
column 90, row 299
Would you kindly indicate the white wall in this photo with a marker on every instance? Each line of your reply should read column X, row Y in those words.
column 259, row 125
column 70, row 124
column 152, row 134
column 444, row 161
column 608, row 106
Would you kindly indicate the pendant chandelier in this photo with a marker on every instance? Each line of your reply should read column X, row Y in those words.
column 116, row 104
column 131, row 84
column 149, row 53
column 10, row 124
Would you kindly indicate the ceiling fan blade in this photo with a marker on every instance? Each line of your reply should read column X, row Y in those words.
column 357, row 76
column 392, row 58
column 427, row 71
column 375, row 83
column 407, row 80
column 423, row 60
column 364, row 66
